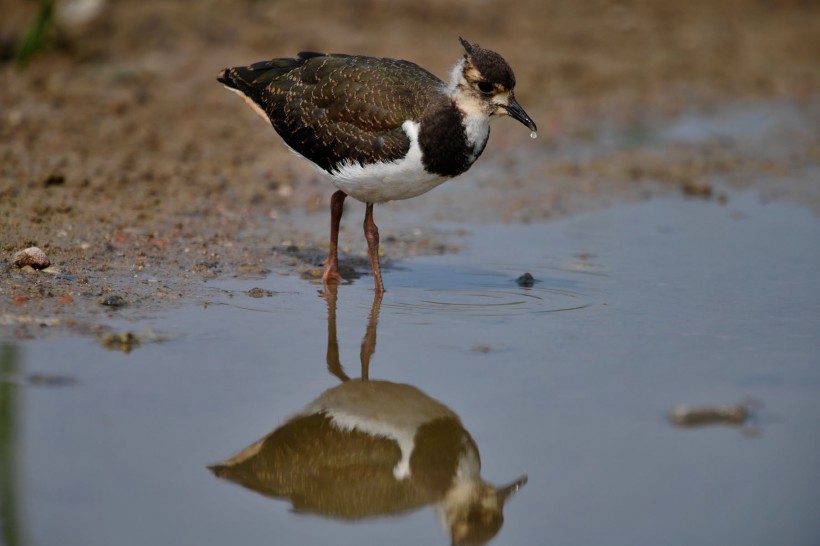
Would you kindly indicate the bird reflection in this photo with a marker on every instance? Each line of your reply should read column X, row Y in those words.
column 369, row 448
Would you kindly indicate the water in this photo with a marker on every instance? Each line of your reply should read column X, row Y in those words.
column 634, row 310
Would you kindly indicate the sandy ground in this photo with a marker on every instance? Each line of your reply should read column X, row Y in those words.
column 141, row 177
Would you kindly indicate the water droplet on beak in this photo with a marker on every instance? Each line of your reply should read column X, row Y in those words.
column 533, row 135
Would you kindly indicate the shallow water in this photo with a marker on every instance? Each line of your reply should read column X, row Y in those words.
column 634, row 310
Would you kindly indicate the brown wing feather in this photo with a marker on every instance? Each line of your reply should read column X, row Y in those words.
column 338, row 108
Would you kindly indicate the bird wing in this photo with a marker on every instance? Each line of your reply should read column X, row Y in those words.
column 336, row 109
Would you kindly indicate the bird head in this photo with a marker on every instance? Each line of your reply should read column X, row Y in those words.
column 483, row 83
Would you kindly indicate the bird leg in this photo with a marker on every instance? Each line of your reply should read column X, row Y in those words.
column 334, row 364
column 331, row 275
column 369, row 340
column 371, row 233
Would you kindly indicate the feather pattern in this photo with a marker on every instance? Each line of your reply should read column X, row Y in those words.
column 337, row 109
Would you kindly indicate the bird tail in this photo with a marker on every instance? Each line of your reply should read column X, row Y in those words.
column 253, row 82
column 258, row 74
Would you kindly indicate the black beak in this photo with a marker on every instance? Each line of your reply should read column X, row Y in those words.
column 514, row 110
column 508, row 490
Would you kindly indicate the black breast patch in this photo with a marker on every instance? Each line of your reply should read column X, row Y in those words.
column 443, row 142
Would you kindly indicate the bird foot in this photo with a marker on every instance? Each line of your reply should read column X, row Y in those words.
column 331, row 276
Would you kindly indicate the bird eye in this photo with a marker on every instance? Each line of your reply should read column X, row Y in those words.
column 485, row 87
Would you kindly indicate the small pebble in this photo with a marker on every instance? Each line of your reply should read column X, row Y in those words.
column 33, row 257
column 697, row 188
column 54, row 180
column 113, row 300
column 526, row 280
column 259, row 292
column 121, row 341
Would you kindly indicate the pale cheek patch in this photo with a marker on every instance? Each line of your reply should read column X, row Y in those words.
column 499, row 101
column 471, row 105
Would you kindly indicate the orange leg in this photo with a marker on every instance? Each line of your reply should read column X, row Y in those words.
column 337, row 202
column 371, row 233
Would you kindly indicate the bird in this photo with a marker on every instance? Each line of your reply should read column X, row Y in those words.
column 367, row 448
column 380, row 129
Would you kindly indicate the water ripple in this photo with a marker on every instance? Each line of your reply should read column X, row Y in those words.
column 493, row 301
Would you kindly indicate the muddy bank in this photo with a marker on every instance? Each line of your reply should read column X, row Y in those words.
column 141, row 178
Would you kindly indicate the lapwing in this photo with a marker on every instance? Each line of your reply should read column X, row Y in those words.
column 381, row 129
column 375, row 448
column 368, row 448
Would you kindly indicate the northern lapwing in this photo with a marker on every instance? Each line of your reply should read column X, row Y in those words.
column 381, row 129
column 369, row 448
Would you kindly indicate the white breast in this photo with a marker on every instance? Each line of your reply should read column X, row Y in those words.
column 477, row 128
column 388, row 181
